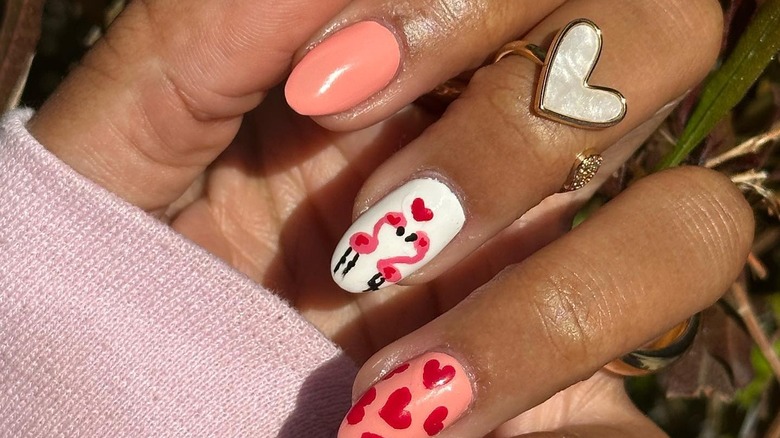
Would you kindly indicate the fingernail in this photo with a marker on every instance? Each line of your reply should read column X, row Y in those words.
column 666, row 109
column 417, row 399
column 397, row 236
column 347, row 68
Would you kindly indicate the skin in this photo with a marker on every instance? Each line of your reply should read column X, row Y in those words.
column 166, row 112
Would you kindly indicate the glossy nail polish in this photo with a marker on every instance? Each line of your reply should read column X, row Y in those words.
column 344, row 70
column 417, row 399
column 397, row 236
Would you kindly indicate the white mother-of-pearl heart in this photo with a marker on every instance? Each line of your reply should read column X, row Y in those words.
column 565, row 93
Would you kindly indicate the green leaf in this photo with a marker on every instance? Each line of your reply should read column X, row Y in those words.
column 762, row 377
column 588, row 209
column 727, row 86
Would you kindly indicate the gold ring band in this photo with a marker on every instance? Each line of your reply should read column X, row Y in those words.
column 524, row 49
column 584, row 170
column 564, row 93
column 658, row 354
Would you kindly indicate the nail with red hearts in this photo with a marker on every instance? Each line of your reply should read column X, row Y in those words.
column 419, row 398
column 397, row 236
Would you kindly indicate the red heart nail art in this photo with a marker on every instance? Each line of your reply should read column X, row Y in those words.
column 434, row 376
column 394, row 411
column 390, row 273
column 394, row 218
column 362, row 240
column 358, row 411
column 435, row 422
column 420, row 212
column 370, row 435
column 398, row 370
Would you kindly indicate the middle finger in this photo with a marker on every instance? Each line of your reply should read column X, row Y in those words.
column 444, row 192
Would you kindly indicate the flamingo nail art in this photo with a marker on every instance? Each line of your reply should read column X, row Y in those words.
column 417, row 399
column 397, row 236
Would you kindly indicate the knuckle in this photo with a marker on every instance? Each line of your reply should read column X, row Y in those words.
column 572, row 313
column 447, row 17
column 505, row 92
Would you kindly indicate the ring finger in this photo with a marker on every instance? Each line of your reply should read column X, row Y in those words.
column 663, row 250
column 463, row 180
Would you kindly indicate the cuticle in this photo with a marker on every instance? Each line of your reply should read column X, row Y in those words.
column 447, row 181
column 421, row 174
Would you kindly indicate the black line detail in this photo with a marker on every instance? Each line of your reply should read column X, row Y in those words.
column 350, row 265
column 375, row 283
column 342, row 260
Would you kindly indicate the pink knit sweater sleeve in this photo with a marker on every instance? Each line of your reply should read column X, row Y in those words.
column 113, row 325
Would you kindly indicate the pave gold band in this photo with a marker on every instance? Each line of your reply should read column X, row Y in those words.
column 584, row 170
column 660, row 353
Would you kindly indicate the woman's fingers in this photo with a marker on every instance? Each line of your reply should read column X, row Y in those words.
column 489, row 159
column 601, row 431
column 596, row 407
column 376, row 56
column 663, row 250
column 163, row 93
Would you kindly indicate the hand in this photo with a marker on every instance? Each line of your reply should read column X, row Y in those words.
column 175, row 111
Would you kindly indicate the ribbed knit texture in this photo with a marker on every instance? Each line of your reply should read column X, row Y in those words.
column 113, row 325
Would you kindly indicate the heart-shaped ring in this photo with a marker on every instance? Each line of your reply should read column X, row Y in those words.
column 564, row 93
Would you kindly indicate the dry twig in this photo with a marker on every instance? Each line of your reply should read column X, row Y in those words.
column 753, row 180
column 750, row 146
column 18, row 37
column 757, row 267
column 748, row 315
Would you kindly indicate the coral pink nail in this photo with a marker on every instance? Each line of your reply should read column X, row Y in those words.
column 417, row 399
column 344, row 70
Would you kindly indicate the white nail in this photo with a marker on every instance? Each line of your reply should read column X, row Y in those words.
column 397, row 236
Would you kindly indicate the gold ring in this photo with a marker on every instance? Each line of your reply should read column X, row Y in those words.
column 564, row 93
column 658, row 354
column 584, row 170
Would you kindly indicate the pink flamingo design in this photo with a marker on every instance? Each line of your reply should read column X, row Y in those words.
column 362, row 243
column 387, row 266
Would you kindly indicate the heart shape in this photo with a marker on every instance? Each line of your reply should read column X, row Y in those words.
column 394, row 218
column 434, row 375
column 361, row 240
column 420, row 212
column 435, row 422
column 370, row 435
column 358, row 411
column 394, row 411
column 390, row 273
column 565, row 93
column 398, row 370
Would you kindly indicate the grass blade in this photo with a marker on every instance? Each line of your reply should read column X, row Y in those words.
column 727, row 86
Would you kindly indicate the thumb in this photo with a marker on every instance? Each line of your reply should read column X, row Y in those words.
column 163, row 93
